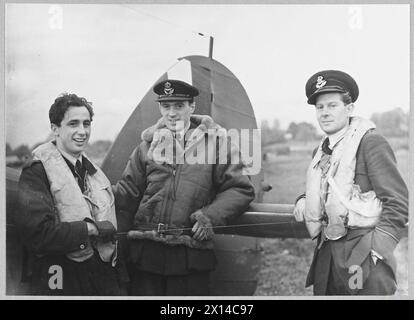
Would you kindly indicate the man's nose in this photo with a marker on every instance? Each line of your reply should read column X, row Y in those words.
column 81, row 130
column 172, row 112
column 325, row 111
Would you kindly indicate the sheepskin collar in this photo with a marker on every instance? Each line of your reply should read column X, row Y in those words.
column 202, row 125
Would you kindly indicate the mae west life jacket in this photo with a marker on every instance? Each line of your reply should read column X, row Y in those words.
column 98, row 202
column 344, row 201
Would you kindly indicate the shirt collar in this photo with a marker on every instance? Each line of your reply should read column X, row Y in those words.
column 180, row 134
column 71, row 158
column 337, row 136
column 90, row 168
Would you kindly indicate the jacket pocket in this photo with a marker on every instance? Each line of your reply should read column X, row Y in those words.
column 105, row 197
column 358, row 249
column 101, row 202
column 358, row 232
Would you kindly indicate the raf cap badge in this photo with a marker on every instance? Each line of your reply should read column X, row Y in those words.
column 167, row 89
column 320, row 82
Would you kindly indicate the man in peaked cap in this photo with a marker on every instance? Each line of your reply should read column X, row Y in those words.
column 356, row 202
column 331, row 81
column 170, row 206
column 175, row 90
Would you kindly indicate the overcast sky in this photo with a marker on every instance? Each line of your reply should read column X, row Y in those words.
column 113, row 54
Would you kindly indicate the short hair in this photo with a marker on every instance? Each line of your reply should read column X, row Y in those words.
column 346, row 98
column 63, row 102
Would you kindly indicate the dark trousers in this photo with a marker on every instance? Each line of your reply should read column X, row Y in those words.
column 151, row 284
column 57, row 275
column 328, row 278
column 380, row 281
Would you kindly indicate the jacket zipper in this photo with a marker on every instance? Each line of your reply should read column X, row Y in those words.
column 164, row 206
column 174, row 181
column 176, row 178
column 173, row 184
column 171, row 191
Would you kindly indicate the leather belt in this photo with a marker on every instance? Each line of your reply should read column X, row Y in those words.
column 163, row 229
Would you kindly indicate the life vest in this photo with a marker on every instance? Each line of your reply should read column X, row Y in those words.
column 97, row 203
column 344, row 202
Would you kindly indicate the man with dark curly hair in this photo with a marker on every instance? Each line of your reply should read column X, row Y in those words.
column 66, row 215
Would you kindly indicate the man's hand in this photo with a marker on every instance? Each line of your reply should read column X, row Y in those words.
column 202, row 229
column 201, row 232
column 299, row 211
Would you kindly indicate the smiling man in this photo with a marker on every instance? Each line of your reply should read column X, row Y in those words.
column 356, row 202
column 171, row 205
column 66, row 215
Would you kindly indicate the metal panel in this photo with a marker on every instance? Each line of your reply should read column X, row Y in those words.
column 239, row 261
column 144, row 115
column 267, row 221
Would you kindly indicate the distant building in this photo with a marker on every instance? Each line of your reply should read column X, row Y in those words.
column 14, row 161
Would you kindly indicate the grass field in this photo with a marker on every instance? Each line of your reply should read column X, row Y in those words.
column 286, row 261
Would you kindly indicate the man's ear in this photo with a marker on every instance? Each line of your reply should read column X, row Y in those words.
column 55, row 129
column 350, row 107
column 192, row 106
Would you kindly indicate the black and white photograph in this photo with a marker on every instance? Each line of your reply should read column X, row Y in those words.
column 206, row 150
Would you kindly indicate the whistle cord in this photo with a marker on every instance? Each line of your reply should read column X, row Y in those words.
column 223, row 227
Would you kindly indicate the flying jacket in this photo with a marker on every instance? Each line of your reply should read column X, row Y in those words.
column 72, row 205
column 155, row 191
column 375, row 169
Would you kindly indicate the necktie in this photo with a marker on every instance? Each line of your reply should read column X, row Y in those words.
column 324, row 164
column 80, row 175
column 325, row 147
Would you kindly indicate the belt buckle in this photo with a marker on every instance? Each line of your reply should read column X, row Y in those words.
column 162, row 228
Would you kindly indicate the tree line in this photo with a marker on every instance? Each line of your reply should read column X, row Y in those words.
column 393, row 123
column 23, row 153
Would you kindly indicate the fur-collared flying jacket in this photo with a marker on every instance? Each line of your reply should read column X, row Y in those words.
column 154, row 191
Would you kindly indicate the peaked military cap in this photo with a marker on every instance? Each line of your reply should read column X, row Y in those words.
column 330, row 81
column 170, row 90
